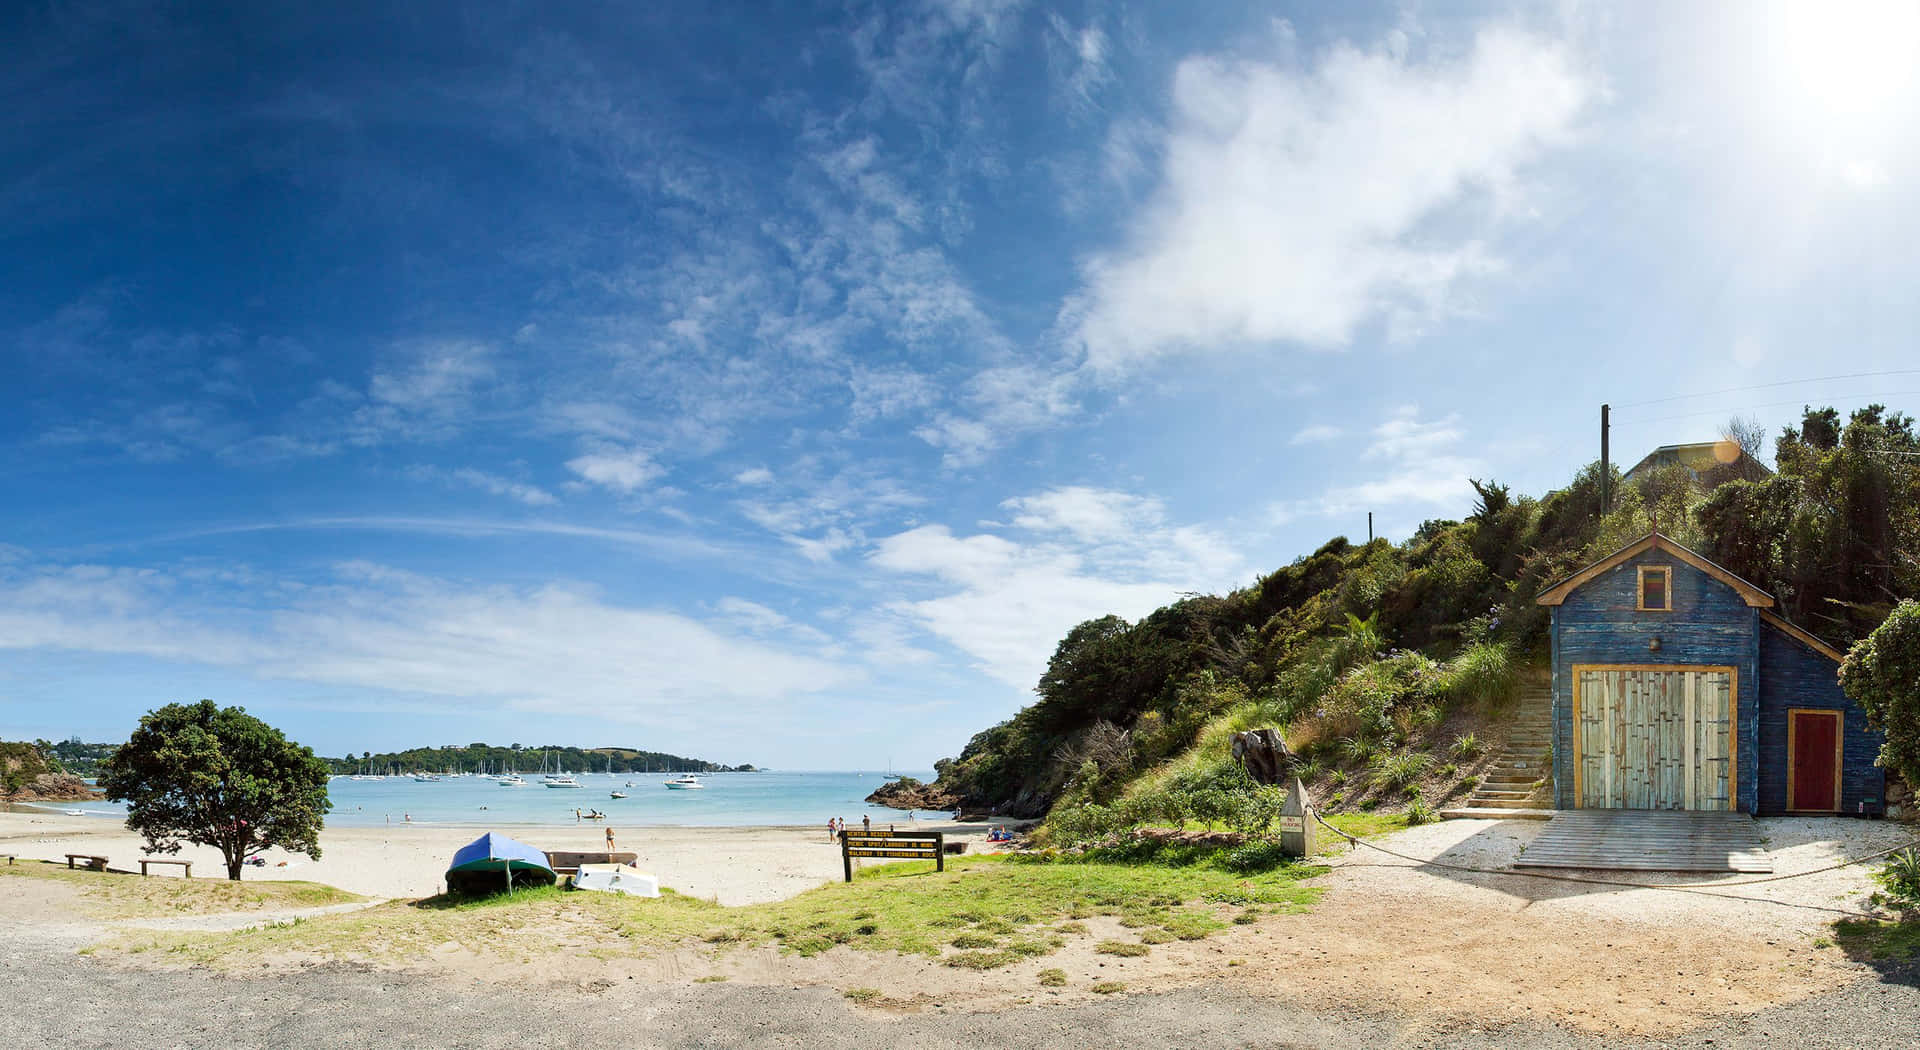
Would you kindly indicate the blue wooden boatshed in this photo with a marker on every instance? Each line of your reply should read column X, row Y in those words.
column 1675, row 686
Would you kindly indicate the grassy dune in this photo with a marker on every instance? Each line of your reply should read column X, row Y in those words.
column 116, row 896
column 981, row 913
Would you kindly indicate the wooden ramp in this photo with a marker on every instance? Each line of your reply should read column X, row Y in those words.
column 1648, row 840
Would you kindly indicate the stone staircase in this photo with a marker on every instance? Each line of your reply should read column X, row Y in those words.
column 1519, row 783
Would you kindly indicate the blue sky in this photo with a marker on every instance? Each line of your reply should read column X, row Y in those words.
column 777, row 383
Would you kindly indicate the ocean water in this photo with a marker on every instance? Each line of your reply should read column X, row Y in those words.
column 726, row 800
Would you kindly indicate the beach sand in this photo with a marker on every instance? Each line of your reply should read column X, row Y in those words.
column 730, row 865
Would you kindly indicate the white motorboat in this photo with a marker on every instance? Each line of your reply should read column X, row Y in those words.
column 684, row 782
column 617, row 794
column 562, row 780
column 513, row 780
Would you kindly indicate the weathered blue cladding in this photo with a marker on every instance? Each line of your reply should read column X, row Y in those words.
column 1598, row 621
column 1798, row 677
column 1709, row 624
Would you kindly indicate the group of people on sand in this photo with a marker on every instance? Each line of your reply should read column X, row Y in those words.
column 836, row 826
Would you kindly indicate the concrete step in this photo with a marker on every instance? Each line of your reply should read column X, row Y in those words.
column 1481, row 813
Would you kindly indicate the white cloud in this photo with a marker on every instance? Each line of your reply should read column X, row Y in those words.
column 531, row 495
column 547, row 647
column 1422, row 465
column 1296, row 204
column 623, row 470
column 754, row 476
column 1315, row 434
column 1003, row 402
column 1006, row 602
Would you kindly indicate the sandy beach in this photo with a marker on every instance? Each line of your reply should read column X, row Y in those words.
column 730, row 865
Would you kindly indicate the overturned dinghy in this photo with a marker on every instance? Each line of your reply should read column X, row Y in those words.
column 493, row 862
column 616, row 878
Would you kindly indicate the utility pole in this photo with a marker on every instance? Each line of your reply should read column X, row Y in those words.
column 1606, row 466
column 1369, row 526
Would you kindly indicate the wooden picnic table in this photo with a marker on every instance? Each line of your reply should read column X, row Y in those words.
column 94, row 863
column 186, row 866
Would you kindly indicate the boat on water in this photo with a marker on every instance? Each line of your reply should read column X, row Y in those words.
column 513, row 780
column 562, row 780
column 495, row 862
column 684, row 782
column 617, row 794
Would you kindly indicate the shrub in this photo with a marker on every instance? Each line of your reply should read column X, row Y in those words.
column 1398, row 771
column 1483, row 673
column 1899, row 880
column 1466, row 745
column 1418, row 812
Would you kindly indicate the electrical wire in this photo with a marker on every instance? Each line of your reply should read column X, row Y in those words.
column 1769, row 386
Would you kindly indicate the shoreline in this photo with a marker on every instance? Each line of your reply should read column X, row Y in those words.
column 731, row 865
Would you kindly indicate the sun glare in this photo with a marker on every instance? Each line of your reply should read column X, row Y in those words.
column 1849, row 60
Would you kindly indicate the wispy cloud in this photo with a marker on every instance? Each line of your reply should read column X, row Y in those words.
column 1417, row 463
column 625, row 471
column 367, row 626
column 493, row 484
column 1314, row 434
column 1297, row 204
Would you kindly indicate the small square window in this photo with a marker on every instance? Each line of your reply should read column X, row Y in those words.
column 1656, row 589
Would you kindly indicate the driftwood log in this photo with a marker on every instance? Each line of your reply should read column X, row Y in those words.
column 1264, row 755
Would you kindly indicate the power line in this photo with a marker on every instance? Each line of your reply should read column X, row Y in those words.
column 1769, row 386
column 1770, row 404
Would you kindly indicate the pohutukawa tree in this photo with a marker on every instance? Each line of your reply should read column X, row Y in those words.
column 217, row 776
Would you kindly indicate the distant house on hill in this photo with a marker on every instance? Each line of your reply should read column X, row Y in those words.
column 1707, row 463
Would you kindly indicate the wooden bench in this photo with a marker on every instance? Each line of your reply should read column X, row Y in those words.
column 906, row 845
column 185, row 866
column 93, row 863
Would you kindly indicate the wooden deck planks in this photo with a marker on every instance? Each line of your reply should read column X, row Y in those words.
column 1648, row 840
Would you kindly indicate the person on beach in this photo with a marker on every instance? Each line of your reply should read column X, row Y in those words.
column 830, row 829
column 866, row 822
column 609, row 838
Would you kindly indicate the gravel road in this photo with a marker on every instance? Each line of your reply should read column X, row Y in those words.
column 51, row 996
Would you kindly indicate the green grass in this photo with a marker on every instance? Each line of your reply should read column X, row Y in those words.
column 1110, row 987
column 863, row 996
column 1053, row 978
column 1874, row 941
column 1122, row 948
column 1364, row 825
column 1005, row 909
column 113, row 895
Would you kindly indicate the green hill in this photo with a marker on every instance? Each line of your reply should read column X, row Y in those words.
column 1387, row 665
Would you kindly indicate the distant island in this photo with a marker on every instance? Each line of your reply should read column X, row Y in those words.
column 488, row 758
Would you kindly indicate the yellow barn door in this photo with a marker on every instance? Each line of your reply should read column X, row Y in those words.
column 1654, row 737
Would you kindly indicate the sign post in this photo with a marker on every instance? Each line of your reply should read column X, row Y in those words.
column 1296, row 821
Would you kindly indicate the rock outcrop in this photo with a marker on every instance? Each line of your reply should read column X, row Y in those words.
column 55, row 787
column 908, row 793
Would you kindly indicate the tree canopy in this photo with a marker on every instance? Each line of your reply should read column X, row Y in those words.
column 217, row 776
column 1882, row 672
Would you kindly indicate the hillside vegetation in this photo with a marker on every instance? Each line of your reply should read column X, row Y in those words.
column 1386, row 664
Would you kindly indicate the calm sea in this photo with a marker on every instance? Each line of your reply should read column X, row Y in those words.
column 726, row 800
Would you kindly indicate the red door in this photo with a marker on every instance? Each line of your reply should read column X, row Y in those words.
column 1813, row 761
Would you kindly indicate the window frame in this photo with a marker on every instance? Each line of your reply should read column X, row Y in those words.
column 1640, row 588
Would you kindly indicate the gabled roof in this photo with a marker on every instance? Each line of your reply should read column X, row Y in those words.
column 1700, row 457
column 1803, row 637
column 1753, row 595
